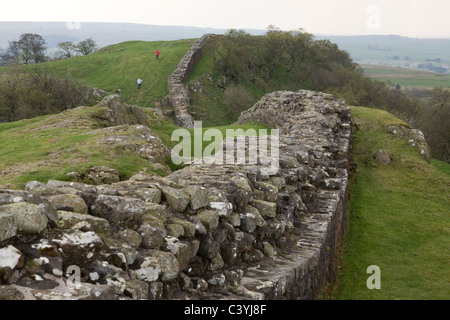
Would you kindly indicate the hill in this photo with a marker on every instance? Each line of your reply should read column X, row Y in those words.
column 111, row 134
column 117, row 67
column 405, row 233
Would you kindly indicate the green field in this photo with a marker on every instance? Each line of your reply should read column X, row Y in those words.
column 119, row 66
column 399, row 219
column 407, row 78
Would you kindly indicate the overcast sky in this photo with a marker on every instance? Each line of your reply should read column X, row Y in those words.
column 412, row 18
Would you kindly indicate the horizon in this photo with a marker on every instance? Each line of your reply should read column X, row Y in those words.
column 79, row 27
column 328, row 17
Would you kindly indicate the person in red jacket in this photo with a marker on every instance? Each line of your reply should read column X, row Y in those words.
column 157, row 54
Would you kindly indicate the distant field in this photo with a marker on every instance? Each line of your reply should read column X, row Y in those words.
column 407, row 78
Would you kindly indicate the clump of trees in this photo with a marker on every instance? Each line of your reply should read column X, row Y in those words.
column 39, row 92
column 32, row 48
column 68, row 49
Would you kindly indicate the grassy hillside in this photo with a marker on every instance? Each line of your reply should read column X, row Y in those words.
column 37, row 149
column 399, row 218
column 48, row 147
column 119, row 66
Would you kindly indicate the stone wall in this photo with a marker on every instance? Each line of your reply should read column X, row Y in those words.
column 203, row 232
column 178, row 92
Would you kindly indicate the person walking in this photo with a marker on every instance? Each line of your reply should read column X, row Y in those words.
column 139, row 82
column 157, row 54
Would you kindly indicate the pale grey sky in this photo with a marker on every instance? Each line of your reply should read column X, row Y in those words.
column 413, row 18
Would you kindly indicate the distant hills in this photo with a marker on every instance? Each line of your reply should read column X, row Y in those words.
column 103, row 33
column 396, row 51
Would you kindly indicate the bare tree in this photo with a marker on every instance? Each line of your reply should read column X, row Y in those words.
column 12, row 55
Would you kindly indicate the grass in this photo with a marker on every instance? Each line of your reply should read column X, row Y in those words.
column 119, row 66
column 48, row 147
column 42, row 149
column 407, row 78
column 399, row 219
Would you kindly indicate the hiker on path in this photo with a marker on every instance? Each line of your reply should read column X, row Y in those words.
column 139, row 82
column 157, row 53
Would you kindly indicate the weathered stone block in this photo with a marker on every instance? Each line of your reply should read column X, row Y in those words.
column 156, row 210
column 209, row 218
column 182, row 251
column 152, row 235
column 123, row 211
column 79, row 248
column 69, row 201
column 71, row 219
column 188, row 227
column 152, row 195
column 29, row 217
column 176, row 198
column 199, row 198
column 265, row 208
column 8, row 225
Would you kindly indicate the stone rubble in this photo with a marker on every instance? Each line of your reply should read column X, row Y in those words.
column 203, row 232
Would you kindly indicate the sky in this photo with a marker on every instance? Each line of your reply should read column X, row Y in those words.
column 411, row 18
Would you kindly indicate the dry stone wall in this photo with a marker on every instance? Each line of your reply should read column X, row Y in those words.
column 178, row 91
column 203, row 232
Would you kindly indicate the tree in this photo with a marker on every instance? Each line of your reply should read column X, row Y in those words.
column 12, row 55
column 67, row 49
column 33, row 48
column 86, row 47
column 237, row 99
column 30, row 48
column 440, row 97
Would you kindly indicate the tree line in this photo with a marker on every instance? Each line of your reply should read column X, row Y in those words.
column 32, row 48
column 293, row 60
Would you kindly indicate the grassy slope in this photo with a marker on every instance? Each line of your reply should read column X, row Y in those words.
column 119, row 66
column 30, row 153
column 35, row 149
column 399, row 219
column 48, row 147
column 208, row 105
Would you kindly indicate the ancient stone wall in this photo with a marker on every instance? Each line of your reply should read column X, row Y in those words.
column 227, row 231
column 178, row 92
